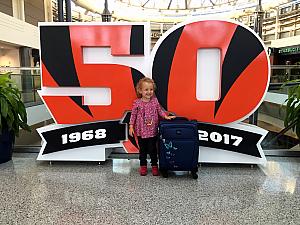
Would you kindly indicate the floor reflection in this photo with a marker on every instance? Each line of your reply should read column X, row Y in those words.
column 34, row 192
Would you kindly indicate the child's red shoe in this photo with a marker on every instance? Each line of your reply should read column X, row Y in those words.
column 155, row 171
column 143, row 170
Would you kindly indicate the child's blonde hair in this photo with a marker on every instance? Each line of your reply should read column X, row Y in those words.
column 140, row 83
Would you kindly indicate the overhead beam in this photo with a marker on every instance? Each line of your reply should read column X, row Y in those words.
column 145, row 3
column 170, row 4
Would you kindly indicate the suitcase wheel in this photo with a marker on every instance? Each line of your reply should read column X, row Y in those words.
column 194, row 175
column 164, row 173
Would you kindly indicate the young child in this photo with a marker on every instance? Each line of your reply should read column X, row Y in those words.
column 144, row 122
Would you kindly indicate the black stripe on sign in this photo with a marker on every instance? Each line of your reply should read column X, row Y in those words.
column 162, row 65
column 57, row 57
column 136, row 76
column 137, row 40
column 244, row 47
column 56, row 54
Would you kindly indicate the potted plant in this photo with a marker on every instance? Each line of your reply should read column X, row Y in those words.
column 12, row 116
column 292, row 117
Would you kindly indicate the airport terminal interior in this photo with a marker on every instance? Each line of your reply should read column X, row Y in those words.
column 112, row 191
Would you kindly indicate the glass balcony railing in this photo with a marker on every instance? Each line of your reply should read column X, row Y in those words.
column 270, row 114
column 28, row 80
column 281, row 74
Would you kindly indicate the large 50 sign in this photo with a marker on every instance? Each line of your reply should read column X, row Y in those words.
column 213, row 71
column 103, row 62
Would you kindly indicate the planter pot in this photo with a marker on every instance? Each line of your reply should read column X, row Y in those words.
column 6, row 144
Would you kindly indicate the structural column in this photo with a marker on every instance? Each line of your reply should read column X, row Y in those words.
column 259, row 15
column 18, row 9
column 26, row 76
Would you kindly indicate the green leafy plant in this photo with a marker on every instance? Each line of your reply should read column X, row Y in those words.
column 292, row 117
column 12, row 110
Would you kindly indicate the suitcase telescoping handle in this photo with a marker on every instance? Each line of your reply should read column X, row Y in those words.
column 178, row 118
column 181, row 118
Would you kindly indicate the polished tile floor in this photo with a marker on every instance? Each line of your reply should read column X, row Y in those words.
column 34, row 192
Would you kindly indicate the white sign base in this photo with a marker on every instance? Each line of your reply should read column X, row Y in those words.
column 96, row 153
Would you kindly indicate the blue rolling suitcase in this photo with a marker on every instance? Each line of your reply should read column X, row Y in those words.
column 178, row 146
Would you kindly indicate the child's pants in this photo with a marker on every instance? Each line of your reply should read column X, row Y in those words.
column 148, row 145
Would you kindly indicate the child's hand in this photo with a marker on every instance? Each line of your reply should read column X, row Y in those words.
column 170, row 117
column 131, row 130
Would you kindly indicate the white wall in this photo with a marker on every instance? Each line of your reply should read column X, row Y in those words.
column 15, row 31
column 9, row 57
